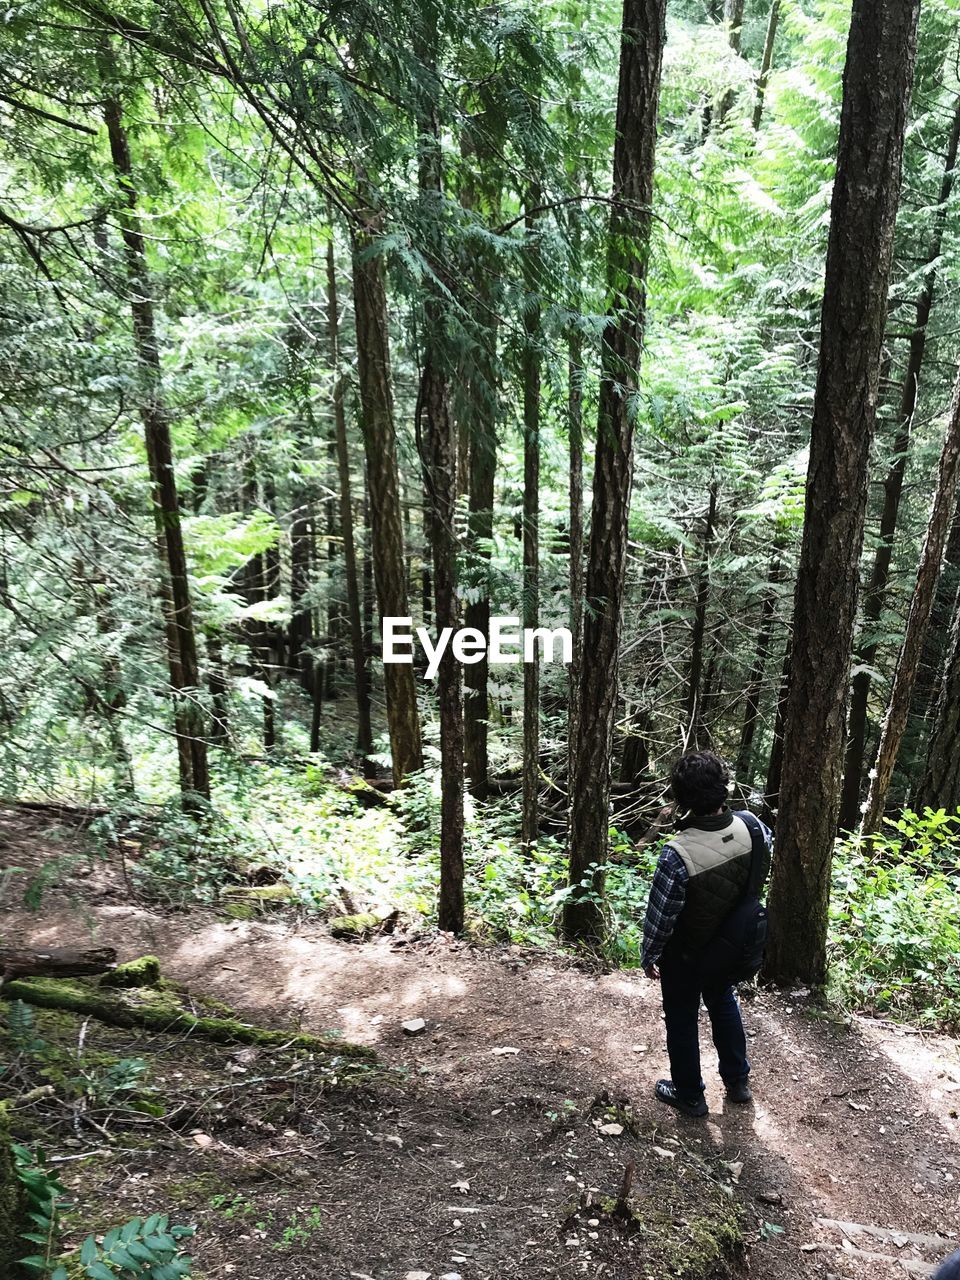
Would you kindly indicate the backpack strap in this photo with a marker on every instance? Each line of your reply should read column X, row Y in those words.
column 758, row 867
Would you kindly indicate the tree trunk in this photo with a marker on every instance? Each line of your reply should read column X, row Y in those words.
column 938, row 638
column 771, row 792
column 928, row 571
column 479, row 411
column 441, row 476
column 733, row 21
column 482, row 476
column 763, row 79
column 174, row 581
column 575, row 427
column 876, row 91
column 379, row 438
column 939, row 786
column 55, row 962
column 531, row 532
column 693, row 707
column 300, row 630
column 360, row 681
column 892, row 491
column 641, row 55
column 751, row 715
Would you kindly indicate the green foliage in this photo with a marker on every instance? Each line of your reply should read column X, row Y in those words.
column 45, row 1196
column 148, row 1247
column 21, row 1030
column 895, row 920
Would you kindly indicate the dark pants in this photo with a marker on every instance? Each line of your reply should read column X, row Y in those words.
column 682, row 990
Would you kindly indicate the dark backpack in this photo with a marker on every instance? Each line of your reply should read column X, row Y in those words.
column 735, row 952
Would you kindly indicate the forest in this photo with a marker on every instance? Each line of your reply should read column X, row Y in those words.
column 420, row 426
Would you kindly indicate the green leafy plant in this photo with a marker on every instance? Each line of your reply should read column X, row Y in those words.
column 141, row 1247
column 44, row 1195
column 895, row 920
column 21, row 1030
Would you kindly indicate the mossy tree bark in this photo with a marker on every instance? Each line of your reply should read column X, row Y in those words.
column 641, row 56
column 878, row 77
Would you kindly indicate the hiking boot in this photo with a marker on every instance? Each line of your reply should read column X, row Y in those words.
column 739, row 1091
column 695, row 1108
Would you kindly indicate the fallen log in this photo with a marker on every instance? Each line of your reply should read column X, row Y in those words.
column 55, row 962
column 161, row 1012
column 361, row 925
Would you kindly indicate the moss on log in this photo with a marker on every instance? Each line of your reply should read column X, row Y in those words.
column 357, row 927
column 161, row 1012
column 242, row 902
column 142, row 972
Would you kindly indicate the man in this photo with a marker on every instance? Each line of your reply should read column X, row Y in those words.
column 701, row 876
column 950, row 1269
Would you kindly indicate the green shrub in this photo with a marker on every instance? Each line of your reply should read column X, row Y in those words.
column 895, row 920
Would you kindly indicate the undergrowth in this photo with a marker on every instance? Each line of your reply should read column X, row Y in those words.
column 894, row 919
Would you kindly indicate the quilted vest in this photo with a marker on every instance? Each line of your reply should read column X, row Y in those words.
column 718, row 867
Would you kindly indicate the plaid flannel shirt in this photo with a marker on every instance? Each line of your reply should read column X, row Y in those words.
column 668, row 893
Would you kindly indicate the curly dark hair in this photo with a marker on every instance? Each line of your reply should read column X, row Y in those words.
column 699, row 782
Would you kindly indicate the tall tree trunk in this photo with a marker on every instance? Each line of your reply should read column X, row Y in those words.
column 939, row 785
column 774, row 778
column 876, row 92
column 892, row 492
column 763, row 79
column 360, row 680
column 257, row 584
column 575, row 427
column 733, row 23
column 300, row 630
column 692, row 709
column 751, row 715
column 479, row 411
column 531, row 531
column 379, row 438
column 928, row 571
column 441, row 476
column 938, row 638
column 174, row 581
column 641, row 56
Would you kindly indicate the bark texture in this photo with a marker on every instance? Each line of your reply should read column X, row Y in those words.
column 386, row 520
column 878, row 77
column 939, row 786
column 763, row 79
column 361, row 682
column 531, row 533
column 892, row 493
column 641, row 56
column 928, row 573
column 176, row 603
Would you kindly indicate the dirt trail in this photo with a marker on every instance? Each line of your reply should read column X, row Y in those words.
column 851, row 1125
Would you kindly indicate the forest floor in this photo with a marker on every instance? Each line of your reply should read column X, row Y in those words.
column 466, row 1157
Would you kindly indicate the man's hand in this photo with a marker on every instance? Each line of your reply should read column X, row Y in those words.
column 651, row 971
